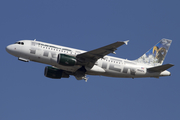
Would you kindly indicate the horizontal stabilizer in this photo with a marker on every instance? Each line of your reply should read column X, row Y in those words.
column 160, row 68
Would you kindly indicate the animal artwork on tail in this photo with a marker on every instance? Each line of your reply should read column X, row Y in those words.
column 156, row 55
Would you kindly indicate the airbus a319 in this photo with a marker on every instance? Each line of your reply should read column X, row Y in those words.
column 66, row 61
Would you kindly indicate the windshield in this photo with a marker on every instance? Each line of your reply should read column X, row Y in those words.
column 21, row 43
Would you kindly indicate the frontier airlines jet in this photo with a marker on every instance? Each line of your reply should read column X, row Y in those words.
column 65, row 61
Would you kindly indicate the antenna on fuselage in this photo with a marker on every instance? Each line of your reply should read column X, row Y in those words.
column 34, row 39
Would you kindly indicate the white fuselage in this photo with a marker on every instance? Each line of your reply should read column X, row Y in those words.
column 29, row 50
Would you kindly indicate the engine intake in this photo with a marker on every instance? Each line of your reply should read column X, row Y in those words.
column 55, row 73
column 66, row 60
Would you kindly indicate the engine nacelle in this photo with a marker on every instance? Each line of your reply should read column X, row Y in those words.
column 55, row 73
column 66, row 60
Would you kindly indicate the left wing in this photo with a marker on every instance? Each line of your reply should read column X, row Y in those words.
column 89, row 58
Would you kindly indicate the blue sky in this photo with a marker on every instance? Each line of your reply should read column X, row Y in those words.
column 25, row 94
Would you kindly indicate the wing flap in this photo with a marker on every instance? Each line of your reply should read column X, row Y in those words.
column 160, row 68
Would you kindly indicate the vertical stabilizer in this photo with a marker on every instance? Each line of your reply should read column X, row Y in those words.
column 156, row 55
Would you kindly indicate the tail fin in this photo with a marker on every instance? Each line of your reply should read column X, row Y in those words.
column 156, row 55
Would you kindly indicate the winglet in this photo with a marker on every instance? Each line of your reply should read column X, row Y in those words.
column 126, row 42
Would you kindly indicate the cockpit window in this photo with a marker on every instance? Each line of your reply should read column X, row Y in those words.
column 21, row 43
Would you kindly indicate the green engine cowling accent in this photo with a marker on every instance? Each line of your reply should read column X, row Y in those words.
column 54, row 73
column 66, row 60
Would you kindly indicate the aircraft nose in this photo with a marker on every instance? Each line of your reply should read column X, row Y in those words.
column 9, row 49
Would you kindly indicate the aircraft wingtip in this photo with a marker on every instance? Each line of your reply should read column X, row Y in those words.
column 126, row 42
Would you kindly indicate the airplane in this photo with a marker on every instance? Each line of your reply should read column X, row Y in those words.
column 66, row 61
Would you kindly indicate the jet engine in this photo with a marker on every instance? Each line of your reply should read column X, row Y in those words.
column 66, row 60
column 55, row 73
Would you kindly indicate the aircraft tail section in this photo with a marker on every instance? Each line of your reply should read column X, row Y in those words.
column 156, row 55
